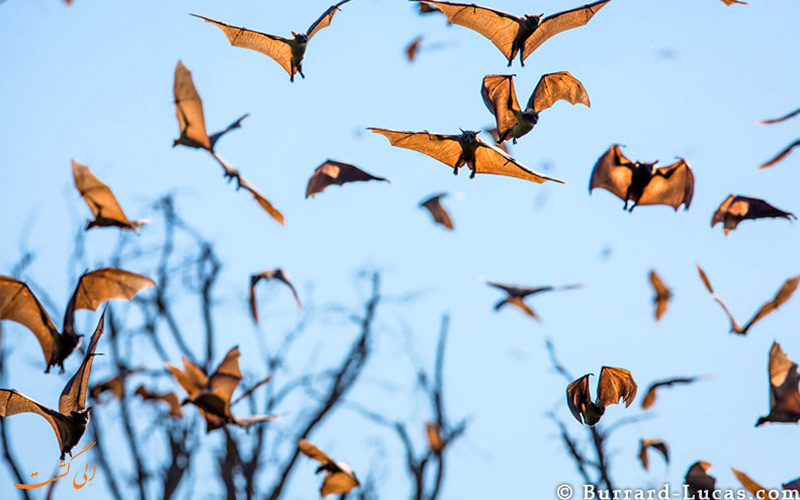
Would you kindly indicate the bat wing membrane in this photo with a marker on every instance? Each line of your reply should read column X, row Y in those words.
column 325, row 19
column 189, row 109
column 491, row 160
column 672, row 185
column 17, row 303
column 562, row 21
column 501, row 99
column 97, row 194
column 556, row 86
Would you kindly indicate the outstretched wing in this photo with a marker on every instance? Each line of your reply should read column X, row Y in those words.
column 672, row 185
column 785, row 293
column 734, row 324
column 213, row 138
column 489, row 159
column 562, row 21
column 271, row 274
column 650, row 396
column 646, row 444
column 325, row 19
column 17, row 303
column 777, row 120
column 612, row 172
column 501, row 100
column 169, row 397
column 444, row 148
column 557, row 86
column 780, row 156
column 748, row 483
column 189, row 110
column 14, row 403
column 227, row 377
column 336, row 172
column 313, row 452
column 437, row 211
column 578, row 396
column 263, row 202
column 615, row 384
column 97, row 195
column 73, row 397
column 783, row 380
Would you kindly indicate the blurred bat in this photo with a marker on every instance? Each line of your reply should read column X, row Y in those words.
column 336, row 173
column 500, row 98
column 750, row 485
column 735, row 209
column 17, row 303
column 272, row 274
column 731, row 2
column 69, row 422
column 792, row 485
column 439, row 214
column 412, row 48
column 517, row 295
column 778, row 120
column 780, row 156
column 288, row 52
column 115, row 385
column 657, row 444
column 512, row 34
column 663, row 294
column 168, row 397
column 643, row 183
column 784, row 398
column 339, row 477
column 650, row 395
column 612, row 385
column 784, row 294
column 104, row 206
column 464, row 149
column 435, row 442
column 697, row 479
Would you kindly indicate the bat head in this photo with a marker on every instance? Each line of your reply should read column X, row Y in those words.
column 531, row 115
column 468, row 136
column 532, row 21
column 300, row 37
column 81, row 416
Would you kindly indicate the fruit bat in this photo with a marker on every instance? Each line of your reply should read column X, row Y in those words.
column 512, row 122
column 657, row 444
column 517, row 295
column 697, row 479
column 663, row 294
column 780, row 156
column 650, row 395
column 778, row 120
column 643, row 183
column 731, row 2
column 336, row 173
column 750, row 485
column 784, row 294
column 612, row 385
column 496, row 137
column 412, row 48
column 512, row 34
column 792, row 485
column 104, row 206
column 435, row 441
column 69, row 422
column 272, row 274
column 735, row 209
column 784, row 398
column 17, row 303
column 288, row 52
column 339, row 477
column 439, row 214
column 115, row 385
column 466, row 148
column 169, row 397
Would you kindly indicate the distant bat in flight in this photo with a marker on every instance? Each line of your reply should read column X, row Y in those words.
column 516, row 295
column 69, row 422
column 17, row 303
column 663, row 294
column 288, row 52
column 439, row 214
column 643, row 183
column 784, row 398
column 650, row 396
column 102, row 202
column 512, row 34
column 750, row 485
column 115, row 385
column 339, row 477
column 697, row 479
column 735, row 209
column 784, row 294
column 336, row 173
column 272, row 274
column 612, row 385
column 656, row 444
column 412, row 48
column 780, row 156
column 168, row 397
column 464, row 149
column 731, row 2
column 512, row 122
column 434, row 435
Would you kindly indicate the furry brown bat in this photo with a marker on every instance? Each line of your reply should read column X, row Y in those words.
column 784, row 398
column 434, row 436
column 102, row 202
column 339, row 477
column 612, row 385
column 500, row 98
column 643, row 183
column 512, row 34
column 168, row 397
column 272, row 274
column 650, row 396
column 697, row 479
column 735, row 209
column 288, row 52
column 657, row 444
column 517, row 294
column 336, row 173
column 439, row 214
column 663, row 294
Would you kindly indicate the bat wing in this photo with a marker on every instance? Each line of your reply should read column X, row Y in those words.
column 189, row 109
column 780, row 156
column 748, row 484
column 325, row 19
column 612, row 172
column 412, row 48
column 579, row 396
column 336, row 172
column 14, row 403
column 434, row 436
column 277, row 274
column 777, row 120
column 615, row 384
column 170, row 398
column 17, row 303
column 338, row 482
column 183, row 379
column 783, row 379
column 663, row 294
column 444, row 148
column 646, row 444
column 313, row 452
column 562, row 21
column 785, row 293
column 672, row 185
column 73, row 397
column 439, row 214
column 758, row 209
column 555, row 86
column 734, row 324
column 491, row 160
column 213, row 138
column 697, row 478
column 227, row 376
column 500, row 98
column 97, row 195
column 263, row 202
column 650, row 396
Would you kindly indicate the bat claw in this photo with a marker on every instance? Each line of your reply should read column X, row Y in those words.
column 472, row 174
column 455, row 170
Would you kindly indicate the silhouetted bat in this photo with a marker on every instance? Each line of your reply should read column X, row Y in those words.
column 784, row 398
column 439, row 214
column 272, row 274
column 650, row 396
column 643, row 183
column 69, row 422
column 339, row 477
column 288, row 52
column 663, row 294
column 778, row 120
column 784, row 294
column 465, row 149
column 512, row 34
column 657, row 444
column 750, row 485
column 17, row 303
column 780, row 156
column 413, row 47
column 115, row 385
column 435, row 442
column 336, row 173
column 612, row 385
column 735, row 209
column 517, row 295
column 731, row 2
column 168, row 397
column 104, row 206
column 512, row 122
column 697, row 479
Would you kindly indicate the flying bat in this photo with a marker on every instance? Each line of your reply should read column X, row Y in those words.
column 336, row 173
column 656, row 444
column 731, row 2
column 115, row 385
column 272, row 274
column 612, row 385
column 663, row 294
column 516, row 295
column 784, row 294
column 750, row 485
column 102, row 202
column 339, row 477
column 735, row 209
column 512, row 34
column 439, row 214
column 643, row 183
column 697, row 479
column 288, row 52
column 69, row 422
column 169, row 397
column 18, row 303
column 650, row 396
column 464, row 149
column 434, row 436
column 512, row 122
column 785, row 152
column 784, row 398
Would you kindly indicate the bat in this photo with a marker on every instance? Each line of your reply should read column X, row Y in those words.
column 339, row 477
column 168, row 397
column 612, row 385
column 735, row 209
column 784, row 294
column 663, row 294
column 780, row 156
column 778, row 120
column 643, row 183
column 115, row 385
column 464, row 149
column 412, row 48
column 69, row 422
column 434, row 435
column 750, row 485
column 288, row 52
column 656, row 444
column 102, row 202
column 511, row 34
column 496, row 137
column 731, row 2
column 784, row 398
column 500, row 98
column 272, row 274
column 439, row 214
column 792, row 485
column 18, row 303
column 697, row 479
column 516, row 295
column 336, row 173
column 650, row 396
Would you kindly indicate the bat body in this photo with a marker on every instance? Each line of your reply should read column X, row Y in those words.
column 784, row 398
column 735, row 209
column 102, row 202
column 511, row 34
column 650, row 396
column 643, row 183
column 464, row 149
column 663, row 294
column 339, row 477
column 434, row 436
column 656, row 444
column 288, row 52
column 336, row 173
column 500, row 98
column 272, row 274
column 612, row 385
column 697, row 479
column 437, row 211
column 516, row 295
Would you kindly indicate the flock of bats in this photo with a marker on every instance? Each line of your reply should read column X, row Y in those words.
column 639, row 183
